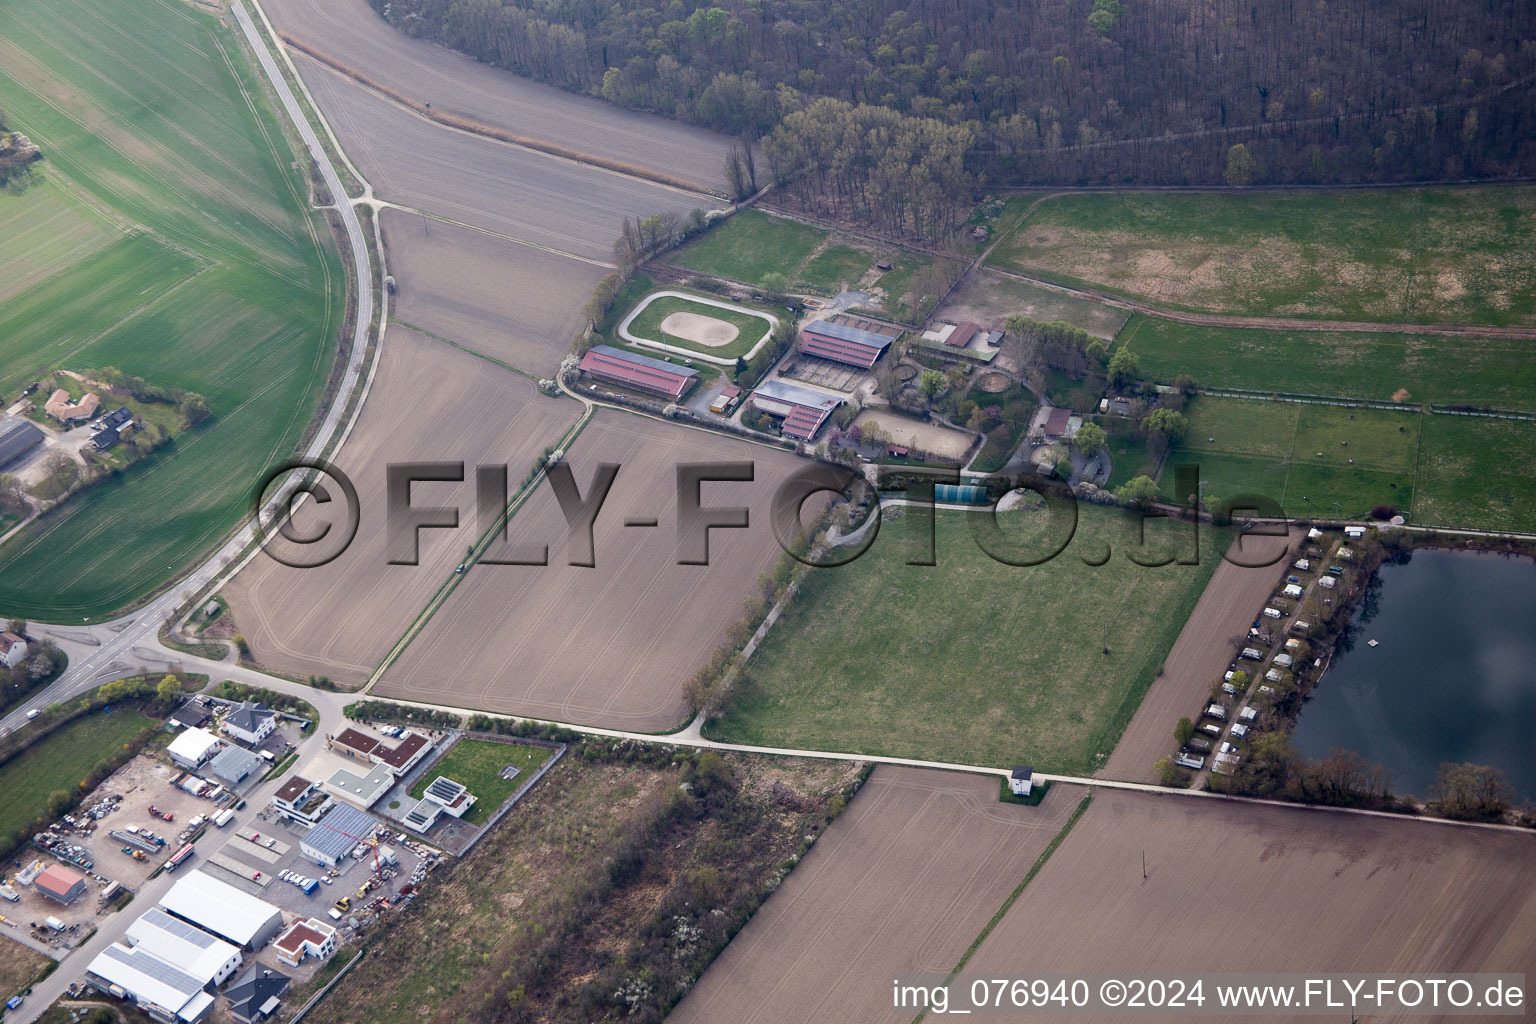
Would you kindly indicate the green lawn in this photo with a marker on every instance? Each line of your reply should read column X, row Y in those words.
column 62, row 760
column 750, row 327
column 833, row 267
column 971, row 660
column 199, row 266
column 1431, row 255
column 1477, row 472
column 478, row 764
column 1498, row 372
column 752, row 245
column 1300, row 455
column 900, row 282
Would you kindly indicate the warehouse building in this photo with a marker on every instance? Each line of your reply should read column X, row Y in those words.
column 337, row 834
column 233, row 765
column 843, row 343
column 17, row 437
column 162, row 990
column 60, row 884
column 220, row 908
column 193, row 748
column 802, row 410
column 633, row 370
column 210, row 960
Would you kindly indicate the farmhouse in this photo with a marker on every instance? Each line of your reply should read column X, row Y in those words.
column 220, row 908
column 249, row 722
column 60, row 408
column 17, row 437
column 193, row 747
column 60, row 884
column 301, row 800
column 643, row 373
column 305, row 938
column 803, row 410
column 843, row 343
column 337, row 835
column 13, row 649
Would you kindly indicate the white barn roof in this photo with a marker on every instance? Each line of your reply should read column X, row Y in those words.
column 176, row 942
column 221, row 908
column 192, row 744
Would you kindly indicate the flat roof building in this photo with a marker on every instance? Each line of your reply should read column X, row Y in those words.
column 631, row 369
column 220, row 908
column 362, row 790
column 336, row 834
column 305, row 938
column 301, row 800
column 842, row 343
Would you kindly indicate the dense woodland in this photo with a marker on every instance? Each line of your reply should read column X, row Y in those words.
column 1063, row 92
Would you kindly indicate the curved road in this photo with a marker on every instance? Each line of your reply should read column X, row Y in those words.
column 92, row 663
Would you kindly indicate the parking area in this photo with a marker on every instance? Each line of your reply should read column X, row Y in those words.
column 265, row 860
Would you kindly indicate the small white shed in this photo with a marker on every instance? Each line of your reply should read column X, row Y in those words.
column 1022, row 781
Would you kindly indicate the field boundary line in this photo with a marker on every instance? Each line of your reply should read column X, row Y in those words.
column 467, row 350
column 1013, row 897
column 384, row 204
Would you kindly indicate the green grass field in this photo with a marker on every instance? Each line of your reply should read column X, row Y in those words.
column 833, row 267
column 478, row 764
column 62, row 760
column 1432, row 255
column 1477, row 472
column 184, row 253
column 1299, row 455
column 750, row 327
column 752, row 245
column 1498, row 372
column 973, row 661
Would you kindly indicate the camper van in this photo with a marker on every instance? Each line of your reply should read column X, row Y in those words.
column 1272, row 613
column 1291, row 590
column 1253, row 654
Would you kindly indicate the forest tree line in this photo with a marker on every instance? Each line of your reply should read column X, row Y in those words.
column 1064, row 93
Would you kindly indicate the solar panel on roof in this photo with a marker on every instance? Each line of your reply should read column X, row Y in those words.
column 847, row 333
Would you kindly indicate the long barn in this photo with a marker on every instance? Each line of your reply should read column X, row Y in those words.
column 843, row 343
column 640, row 372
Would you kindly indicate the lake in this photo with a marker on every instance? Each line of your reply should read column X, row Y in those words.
column 1453, row 677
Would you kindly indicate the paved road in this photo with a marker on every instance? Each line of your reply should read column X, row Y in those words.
column 91, row 665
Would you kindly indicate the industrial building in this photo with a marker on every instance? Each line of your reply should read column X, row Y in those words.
column 803, row 410
column 233, row 765
column 17, row 437
column 337, row 834
column 60, row 884
column 163, row 991
column 220, row 908
column 633, row 370
column 843, row 343
column 210, row 960
column 193, row 747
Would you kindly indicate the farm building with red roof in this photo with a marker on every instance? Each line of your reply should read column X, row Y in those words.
column 656, row 376
column 843, row 343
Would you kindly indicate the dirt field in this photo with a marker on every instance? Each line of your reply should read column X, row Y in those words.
column 930, row 437
column 1231, row 600
column 987, row 297
column 610, row 645
column 350, row 31
column 1294, row 890
column 516, row 192
column 699, row 329
column 429, row 402
column 903, row 882
column 509, row 301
